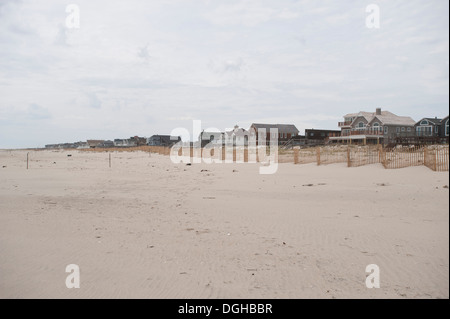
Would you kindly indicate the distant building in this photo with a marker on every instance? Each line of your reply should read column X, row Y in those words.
column 163, row 140
column 444, row 127
column 430, row 127
column 237, row 136
column 94, row 143
column 285, row 132
column 139, row 141
column 82, row 145
column 106, row 144
column 61, row 146
column 124, row 142
column 376, row 127
column 319, row 136
column 211, row 138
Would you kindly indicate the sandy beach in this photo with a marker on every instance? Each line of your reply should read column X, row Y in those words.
column 149, row 228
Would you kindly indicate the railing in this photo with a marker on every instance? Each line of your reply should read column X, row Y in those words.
column 358, row 132
column 344, row 123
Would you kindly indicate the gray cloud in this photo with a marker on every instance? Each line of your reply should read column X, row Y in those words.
column 94, row 101
column 37, row 112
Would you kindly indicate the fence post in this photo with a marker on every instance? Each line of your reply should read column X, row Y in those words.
column 296, row 151
column 348, row 157
column 318, row 156
column 436, row 159
column 27, row 159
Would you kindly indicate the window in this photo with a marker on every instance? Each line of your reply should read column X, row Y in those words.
column 403, row 129
column 386, row 129
column 436, row 129
column 409, row 129
column 361, row 124
column 311, row 134
column 376, row 127
column 397, row 130
column 211, row 138
column 424, row 122
column 446, row 128
column 323, row 134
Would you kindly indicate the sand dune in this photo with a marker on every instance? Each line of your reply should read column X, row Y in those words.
column 148, row 228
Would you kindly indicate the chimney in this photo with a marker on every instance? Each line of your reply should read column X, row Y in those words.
column 378, row 111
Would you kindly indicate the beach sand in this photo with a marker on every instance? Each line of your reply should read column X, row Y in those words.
column 149, row 228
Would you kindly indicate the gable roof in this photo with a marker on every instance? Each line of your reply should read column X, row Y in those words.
column 282, row 128
column 237, row 131
column 369, row 116
column 434, row 121
column 386, row 118
column 393, row 119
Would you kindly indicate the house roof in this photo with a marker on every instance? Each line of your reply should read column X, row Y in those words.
column 393, row 119
column 386, row 118
column 238, row 131
column 282, row 128
column 434, row 121
column 369, row 116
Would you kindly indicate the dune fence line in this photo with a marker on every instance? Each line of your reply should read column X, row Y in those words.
column 435, row 157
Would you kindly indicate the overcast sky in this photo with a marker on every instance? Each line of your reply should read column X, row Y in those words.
column 147, row 67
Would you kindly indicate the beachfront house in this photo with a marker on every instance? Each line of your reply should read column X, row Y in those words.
column 106, row 144
column 211, row 138
column 429, row 127
column 444, row 127
column 163, row 140
column 237, row 136
column 139, row 141
column 319, row 136
column 285, row 132
column 118, row 142
column 94, row 143
column 374, row 127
